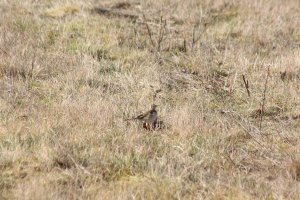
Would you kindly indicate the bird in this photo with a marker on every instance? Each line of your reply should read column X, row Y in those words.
column 148, row 117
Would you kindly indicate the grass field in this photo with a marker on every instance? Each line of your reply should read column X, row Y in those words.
column 225, row 74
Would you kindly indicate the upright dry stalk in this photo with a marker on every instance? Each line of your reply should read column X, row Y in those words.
column 161, row 33
column 246, row 83
column 194, row 39
column 30, row 74
column 264, row 98
column 148, row 30
column 4, row 51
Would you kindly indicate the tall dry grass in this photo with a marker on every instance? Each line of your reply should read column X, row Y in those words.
column 69, row 78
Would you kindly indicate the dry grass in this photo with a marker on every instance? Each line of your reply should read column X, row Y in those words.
column 69, row 77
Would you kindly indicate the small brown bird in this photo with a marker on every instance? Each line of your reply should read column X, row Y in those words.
column 149, row 117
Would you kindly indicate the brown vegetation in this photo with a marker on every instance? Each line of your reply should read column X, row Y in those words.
column 224, row 74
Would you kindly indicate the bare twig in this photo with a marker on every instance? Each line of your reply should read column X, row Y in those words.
column 66, row 153
column 4, row 51
column 161, row 33
column 32, row 66
column 149, row 30
column 78, row 165
column 194, row 39
column 184, row 46
column 264, row 98
column 251, row 130
column 153, row 23
column 246, row 82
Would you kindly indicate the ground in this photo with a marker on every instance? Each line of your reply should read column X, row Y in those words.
column 224, row 74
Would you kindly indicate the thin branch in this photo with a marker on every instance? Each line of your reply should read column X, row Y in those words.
column 264, row 98
column 161, row 33
column 194, row 39
column 71, row 158
column 32, row 66
column 78, row 165
column 149, row 30
column 4, row 51
column 246, row 83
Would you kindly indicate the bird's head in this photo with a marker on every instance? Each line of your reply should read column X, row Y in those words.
column 154, row 106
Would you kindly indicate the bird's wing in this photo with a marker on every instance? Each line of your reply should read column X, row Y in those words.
column 142, row 116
